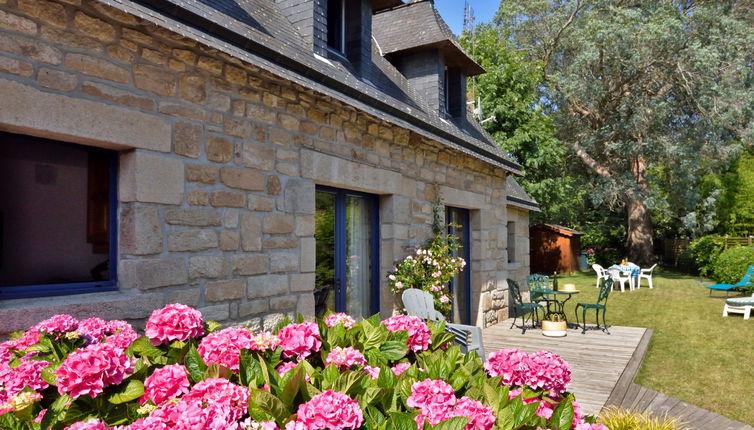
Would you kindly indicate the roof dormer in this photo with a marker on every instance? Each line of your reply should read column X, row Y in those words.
column 339, row 30
column 416, row 40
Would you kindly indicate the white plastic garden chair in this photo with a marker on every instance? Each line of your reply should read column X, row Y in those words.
column 620, row 276
column 739, row 305
column 421, row 304
column 601, row 273
column 646, row 274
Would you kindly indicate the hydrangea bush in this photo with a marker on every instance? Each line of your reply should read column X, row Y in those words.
column 185, row 373
column 429, row 269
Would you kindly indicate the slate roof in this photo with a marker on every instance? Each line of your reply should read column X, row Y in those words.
column 427, row 30
column 256, row 32
column 516, row 196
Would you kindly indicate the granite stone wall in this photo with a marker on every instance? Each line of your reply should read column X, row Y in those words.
column 219, row 160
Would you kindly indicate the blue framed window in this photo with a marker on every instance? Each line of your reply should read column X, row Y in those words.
column 58, row 209
column 459, row 225
column 347, row 252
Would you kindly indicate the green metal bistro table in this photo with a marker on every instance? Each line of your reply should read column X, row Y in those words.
column 559, row 299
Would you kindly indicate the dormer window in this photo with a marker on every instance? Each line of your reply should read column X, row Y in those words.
column 453, row 91
column 336, row 25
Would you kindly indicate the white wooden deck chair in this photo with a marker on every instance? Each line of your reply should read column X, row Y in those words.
column 739, row 305
column 421, row 304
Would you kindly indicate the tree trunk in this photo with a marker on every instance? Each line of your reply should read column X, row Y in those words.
column 640, row 238
column 640, row 241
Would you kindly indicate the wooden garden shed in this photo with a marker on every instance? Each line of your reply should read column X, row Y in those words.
column 554, row 248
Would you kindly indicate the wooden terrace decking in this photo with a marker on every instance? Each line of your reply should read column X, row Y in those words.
column 597, row 359
column 603, row 369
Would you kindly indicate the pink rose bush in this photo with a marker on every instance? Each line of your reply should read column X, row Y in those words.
column 185, row 373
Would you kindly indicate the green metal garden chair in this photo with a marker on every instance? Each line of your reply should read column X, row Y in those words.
column 606, row 285
column 523, row 307
column 539, row 287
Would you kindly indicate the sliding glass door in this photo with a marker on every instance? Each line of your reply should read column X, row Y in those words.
column 460, row 285
column 347, row 252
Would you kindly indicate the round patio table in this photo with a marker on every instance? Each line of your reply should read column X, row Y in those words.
column 560, row 298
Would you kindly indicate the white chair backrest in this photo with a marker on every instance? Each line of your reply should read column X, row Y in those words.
column 421, row 304
column 614, row 273
column 651, row 268
column 601, row 272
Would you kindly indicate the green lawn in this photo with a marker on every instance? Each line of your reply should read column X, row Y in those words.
column 695, row 354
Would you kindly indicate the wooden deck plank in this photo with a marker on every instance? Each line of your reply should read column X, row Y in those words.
column 596, row 358
column 602, row 371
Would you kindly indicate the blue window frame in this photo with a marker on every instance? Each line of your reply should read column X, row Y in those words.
column 459, row 225
column 347, row 246
column 58, row 231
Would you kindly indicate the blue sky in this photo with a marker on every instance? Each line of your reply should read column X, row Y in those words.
column 452, row 11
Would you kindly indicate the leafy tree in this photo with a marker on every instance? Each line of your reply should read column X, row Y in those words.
column 638, row 89
column 509, row 98
column 737, row 202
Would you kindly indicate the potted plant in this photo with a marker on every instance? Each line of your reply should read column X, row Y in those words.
column 554, row 325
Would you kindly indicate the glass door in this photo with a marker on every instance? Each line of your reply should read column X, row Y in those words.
column 347, row 253
column 460, row 285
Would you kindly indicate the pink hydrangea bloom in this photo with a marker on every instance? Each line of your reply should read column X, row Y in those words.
column 373, row 372
column 264, row 341
column 90, row 370
column 587, row 426
column 174, row 322
column 482, row 417
column 120, row 334
column 91, row 424
column 512, row 364
column 224, row 346
column 545, row 409
column 189, row 414
column 419, row 336
column 26, row 374
column 399, row 368
column 165, row 383
column 28, row 339
column 95, row 328
column 330, row 410
column 300, row 339
column 346, row 357
column 249, row 424
column 340, row 318
column 58, row 324
column 222, row 392
column 547, row 371
column 431, row 391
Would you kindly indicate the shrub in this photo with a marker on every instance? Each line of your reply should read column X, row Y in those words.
column 430, row 269
column 731, row 265
column 705, row 251
column 400, row 373
column 608, row 256
column 622, row 419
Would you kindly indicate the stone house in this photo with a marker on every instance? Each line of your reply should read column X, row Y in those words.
column 253, row 159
